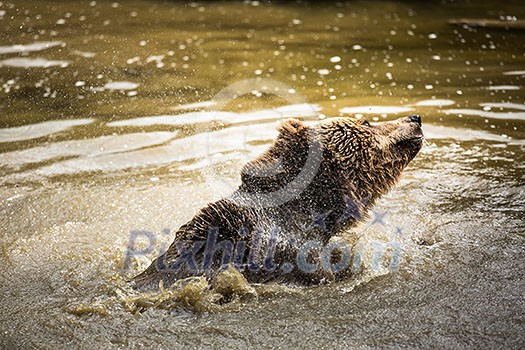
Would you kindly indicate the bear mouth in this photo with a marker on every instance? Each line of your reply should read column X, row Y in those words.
column 411, row 139
column 410, row 146
column 418, row 138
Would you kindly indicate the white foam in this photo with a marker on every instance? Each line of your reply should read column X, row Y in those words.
column 85, row 54
column 33, row 131
column 121, row 85
column 37, row 46
column 432, row 103
column 503, row 87
column 24, row 62
column 515, row 72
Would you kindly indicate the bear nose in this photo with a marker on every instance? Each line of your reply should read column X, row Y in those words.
column 415, row 118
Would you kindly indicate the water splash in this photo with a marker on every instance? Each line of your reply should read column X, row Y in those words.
column 375, row 110
column 297, row 110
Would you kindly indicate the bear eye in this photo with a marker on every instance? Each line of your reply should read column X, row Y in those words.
column 365, row 123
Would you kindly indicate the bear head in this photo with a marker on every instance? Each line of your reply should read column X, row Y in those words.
column 370, row 156
column 359, row 159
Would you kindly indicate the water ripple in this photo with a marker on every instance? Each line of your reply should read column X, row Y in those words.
column 297, row 110
column 201, row 146
column 375, row 110
column 33, row 131
column 22, row 62
column 36, row 46
column 89, row 148
column 488, row 114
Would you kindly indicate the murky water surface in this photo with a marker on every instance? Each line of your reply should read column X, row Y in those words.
column 118, row 116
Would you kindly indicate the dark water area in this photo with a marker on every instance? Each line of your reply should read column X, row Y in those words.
column 122, row 116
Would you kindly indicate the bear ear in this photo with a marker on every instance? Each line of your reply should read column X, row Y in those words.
column 281, row 161
column 291, row 127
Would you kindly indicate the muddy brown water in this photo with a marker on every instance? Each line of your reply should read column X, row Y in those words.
column 122, row 116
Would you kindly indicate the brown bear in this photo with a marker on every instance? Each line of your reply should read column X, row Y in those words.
column 313, row 183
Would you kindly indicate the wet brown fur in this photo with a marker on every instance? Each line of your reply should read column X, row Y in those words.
column 358, row 163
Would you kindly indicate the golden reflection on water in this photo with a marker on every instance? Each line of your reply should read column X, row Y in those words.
column 118, row 116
